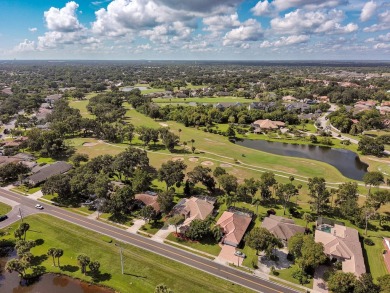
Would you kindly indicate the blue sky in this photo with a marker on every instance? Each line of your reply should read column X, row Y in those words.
column 195, row 29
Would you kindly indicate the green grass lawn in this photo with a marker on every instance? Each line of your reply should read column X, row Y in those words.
column 152, row 227
column 286, row 274
column 4, row 208
column 24, row 189
column 208, row 245
column 211, row 100
column 41, row 160
column 144, row 270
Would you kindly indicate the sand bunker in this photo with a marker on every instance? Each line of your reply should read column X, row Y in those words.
column 207, row 163
column 193, row 159
column 177, row 159
column 89, row 144
column 163, row 124
column 226, row 165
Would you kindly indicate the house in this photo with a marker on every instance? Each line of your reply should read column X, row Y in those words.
column 267, row 125
column 42, row 174
column 148, row 199
column 234, row 225
column 266, row 106
column 298, row 106
column 289, row 99
column 370, row 104
column 386, row 254
column 281, row 227
column 52, row 98
column 341, row 243
column 193, row 208
column 323, row 99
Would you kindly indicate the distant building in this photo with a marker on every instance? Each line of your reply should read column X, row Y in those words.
column 289, row 99
column 267, row 124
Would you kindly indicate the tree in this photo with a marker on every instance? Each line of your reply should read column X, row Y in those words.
column 365, row 284
column 58, row 253
column 373, row 178
column 256, row 201
column 261, row 239
column 230, row 132
column 319, row 194
column 370, row 146
column 198, row 229
column 141, row 181
column 120, row 201
column 165, row 200
column 312, row 254
column 202, row 174
column 94, row 266
column 295, row 244
column 341, row 282
column 161, row 288
column 307, row 217
column 170, row 140
column 51, row 252
column 128, row 161
column 15, row 265
column 176, row 220
column 252, row 186
column 218, row 171
column 24, row 227
column 147, row 213
column 228, row 183
column 83, row 260
column 377, row 199
column 78, row 158
column 285, row 192
column 347, row 196
column 172, row 172
column 18, row 233
column 384, row 283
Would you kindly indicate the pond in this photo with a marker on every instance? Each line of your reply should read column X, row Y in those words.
column 130, row 88
column 346, row 161
column 47, row 283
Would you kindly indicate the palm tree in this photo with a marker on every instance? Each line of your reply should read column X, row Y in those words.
column 179, row 133
column 291, row 178
column 256, row 201
column 51, row 252
column 18, row 234
column 308, row 218
column 15, row 265
column 94, row 266
column 83, row 261
column 24, row 227
column 58, row 253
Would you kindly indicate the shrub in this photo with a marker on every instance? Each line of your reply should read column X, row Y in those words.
column 338, row 265
column 368, row 242
column 290, row 257
column 106, row 239
column 271, row 212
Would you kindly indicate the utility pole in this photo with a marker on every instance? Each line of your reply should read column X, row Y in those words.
column 120, row 251
column 21, row 216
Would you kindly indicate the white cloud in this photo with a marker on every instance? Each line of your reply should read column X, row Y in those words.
column 54, row 39
column 286, row 41
column 32, row 29
column 382, row 46
column 282, row 5
column 25, row 46
column 384, row 38
column 301, row 22
column 201, row 6
column 383, row 23
column 64, row 19
column 368, row 11
column 249, row 30
column 218, row 23
column 168, row 33
column 261, row 8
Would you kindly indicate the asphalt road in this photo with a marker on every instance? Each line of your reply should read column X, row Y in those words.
column 206, row 265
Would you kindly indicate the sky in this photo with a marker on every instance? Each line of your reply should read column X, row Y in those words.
column 195, row 29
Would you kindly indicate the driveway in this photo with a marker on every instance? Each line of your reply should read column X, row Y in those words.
column 137, row 224
column 227, row 255
column 318, row 281
column 163, row 233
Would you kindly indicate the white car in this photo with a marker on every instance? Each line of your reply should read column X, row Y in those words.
column 39, row 207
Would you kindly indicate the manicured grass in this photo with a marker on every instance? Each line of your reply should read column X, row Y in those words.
column 41, row 160
column 152, row 227
column 144, row 270
column 24, row 189
column 286, row 274
column 4, row 208
column 207, row 245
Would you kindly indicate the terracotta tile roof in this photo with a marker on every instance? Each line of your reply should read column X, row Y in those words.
column 234, row 226
column 282, row 228
column 343, row 242
column 148, row 200
column 268, row 124
column 194, row 208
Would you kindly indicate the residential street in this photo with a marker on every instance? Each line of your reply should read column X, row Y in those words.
column 219, row 270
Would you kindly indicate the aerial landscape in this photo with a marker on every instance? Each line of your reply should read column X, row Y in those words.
column 195, row 146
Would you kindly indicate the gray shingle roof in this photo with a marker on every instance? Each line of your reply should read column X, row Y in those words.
column 48, row 171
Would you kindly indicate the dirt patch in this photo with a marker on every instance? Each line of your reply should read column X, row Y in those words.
column 177, row 159
column 163, row 124
column 226, row 166
column 89, row 144
column 207, row 163
column 193, row 159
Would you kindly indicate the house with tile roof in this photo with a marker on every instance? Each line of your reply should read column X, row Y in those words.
column 342, row 243
column 234, row 226
column 194, row 208
column 267, row 124
column 148, row 199
column 282, row 228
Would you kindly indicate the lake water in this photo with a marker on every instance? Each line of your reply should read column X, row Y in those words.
column 347, row 162
column 130, row 88
column 48, row 283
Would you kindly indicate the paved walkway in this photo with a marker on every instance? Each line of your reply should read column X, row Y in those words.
column 163, row 233
column 137, row 224
column 227, row 255
column 36, row 195
column 94, row 215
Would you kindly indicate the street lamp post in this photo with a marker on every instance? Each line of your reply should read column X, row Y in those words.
column 120, row 251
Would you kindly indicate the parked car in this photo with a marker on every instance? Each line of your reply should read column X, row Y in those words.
column 240, row 254
column 3, row 217
column 39, row 207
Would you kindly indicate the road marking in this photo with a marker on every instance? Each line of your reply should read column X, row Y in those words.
column 152, row 245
